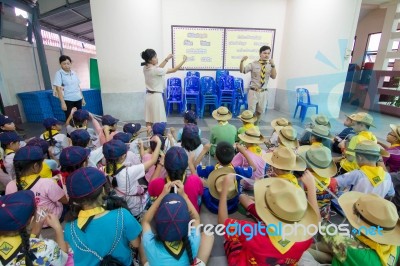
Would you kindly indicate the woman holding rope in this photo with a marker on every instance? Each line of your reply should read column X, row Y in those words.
column 154, row 78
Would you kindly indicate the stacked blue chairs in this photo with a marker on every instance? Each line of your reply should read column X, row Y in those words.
column 303, row 101
column 209, row 94
column 219, row 74
column 192, row 93
column 241, row 97
column 226, row 92
column 193, row 73
column 174, row 95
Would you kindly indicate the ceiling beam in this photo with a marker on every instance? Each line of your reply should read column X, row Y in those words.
column 64, row 8
column 86, row 32
column 66, row 33
column 77, row 13
column 75, row 24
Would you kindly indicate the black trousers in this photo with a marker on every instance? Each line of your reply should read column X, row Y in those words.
column 70, row 105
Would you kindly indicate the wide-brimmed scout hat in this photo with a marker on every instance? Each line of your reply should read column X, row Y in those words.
column 215, row 182
column 351, row 116
column 278, row 201
column 321, row 120
column 371, row 148
column 284, row 158
column 247, row 116
column 288, row 136
column 364, row 210
column 222, row 114
column 278, row 123
column 364, row 118
column 320, row 131
column 396, row 130
column 319, row 159
column 253, row 136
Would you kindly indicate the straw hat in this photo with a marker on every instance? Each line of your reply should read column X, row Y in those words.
column 320, row 131
column 364, row 118
column 253, row 136
column 351, row 116
column 284, row 158
column 247, row 116
column 321, row 120
column 278, row 201
column 396, row 130
column 215, row 182
column 319, row 159
column 222, row 114
column 369, row 209
column 288, row 136
column 371, row 148
column 278, row 123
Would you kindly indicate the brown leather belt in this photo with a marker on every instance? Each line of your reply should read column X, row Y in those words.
column 258, row 90
column 151, row 92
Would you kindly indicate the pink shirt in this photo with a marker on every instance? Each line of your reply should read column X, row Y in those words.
column 99, row 129
column 152, row 169
column 47, row 195
column 240, row 160
column 193, row 189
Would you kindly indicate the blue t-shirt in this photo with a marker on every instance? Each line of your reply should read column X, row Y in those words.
column 212, row 203
column 70, row 82
column 179, row 135
column 99, row 236
column 157, row 254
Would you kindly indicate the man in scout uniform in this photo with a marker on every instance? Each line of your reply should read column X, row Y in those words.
column 320, row 164
column 261, row 71
column 223, row 131
column 272, row 198
column 248, row 119
column 277, row 124
column 251, row 138
column 363, row 122
column 320, row 136
column 370, row 178
column 316, row 120
column 378, row 248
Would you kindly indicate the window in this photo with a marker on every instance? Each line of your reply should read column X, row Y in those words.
column 14, row 22
column 372, row 47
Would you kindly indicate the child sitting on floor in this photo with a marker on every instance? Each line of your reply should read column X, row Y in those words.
column 248, row 119
column 188, row 118
column 10, row 143
column 223, row 131
column 52, row 135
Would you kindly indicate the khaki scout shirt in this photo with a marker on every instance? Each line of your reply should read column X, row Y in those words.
column 255, row 68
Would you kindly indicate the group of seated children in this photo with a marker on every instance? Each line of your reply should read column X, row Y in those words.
column 103, row 183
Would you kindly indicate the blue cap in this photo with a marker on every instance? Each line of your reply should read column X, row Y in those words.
column 190, row 116
column 190, row 131
column 84, row 182
column 108, row 120
column 16, row 210
column 44, row 145
column 29, row 153
column 114, row 149
column 80, row 137
column 81, row 115
column 74, row 155
column 9, row 137
column 51, row 121
column 5, row 120
column 124, row 137
column 176, row 159
column 159, row 128
column 132, row 128
column 172, row 218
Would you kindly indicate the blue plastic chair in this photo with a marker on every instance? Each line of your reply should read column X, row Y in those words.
column 219, row 74
column 174, row 94
column 193, row 73
column 208, row 94
column 304, row 102
column 226, row 92
column 241, row 97
column 192, row 93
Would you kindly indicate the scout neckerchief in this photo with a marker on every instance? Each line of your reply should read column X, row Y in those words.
column 27, row 182
column 248, row 126
column 375, row 174
column 46, row 134
column 387, row 253
column 262, row 73
column 223, row 123
column 282, row 245
column 86, row 216
column 9, row 151
column 217, row 166
column 9, row 247
column 175, row 248
column 395, row 145
column 119, row 167
column 291, row 178
column 255, row 149
column 323, row 182
column 367, row 135
column 317, row 144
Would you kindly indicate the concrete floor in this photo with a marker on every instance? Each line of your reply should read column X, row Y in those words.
column 175, row 120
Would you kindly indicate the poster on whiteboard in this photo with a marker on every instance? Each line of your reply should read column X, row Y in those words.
column 241, row 42
column 203, row 46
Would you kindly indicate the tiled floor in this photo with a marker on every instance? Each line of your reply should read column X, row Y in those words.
column 218, row 257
